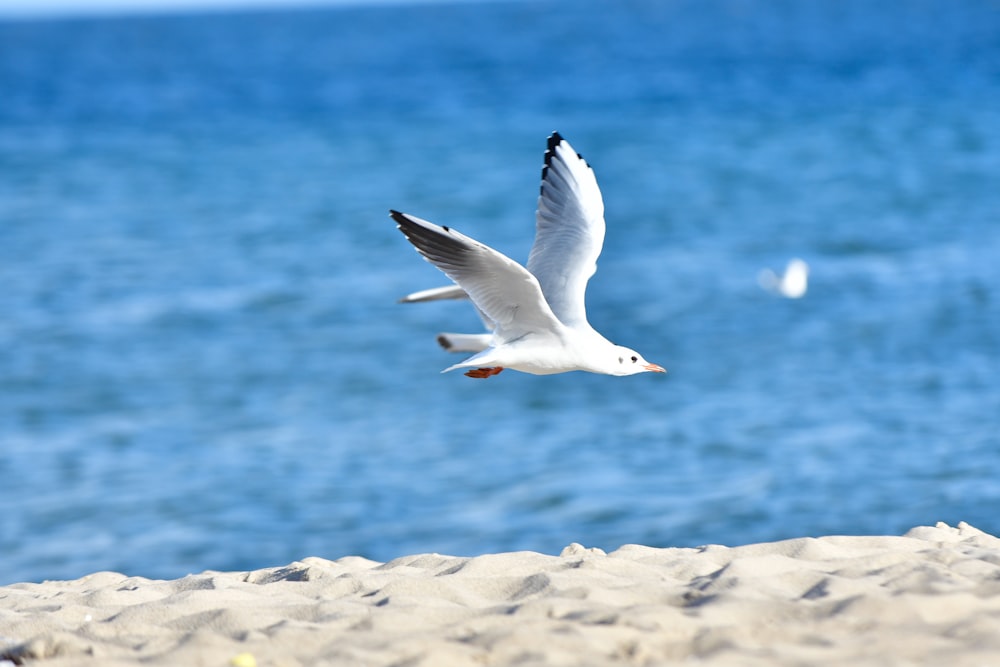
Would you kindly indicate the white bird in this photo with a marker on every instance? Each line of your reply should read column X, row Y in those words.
column 454, row 342
column 538, row 313
column 793, row 284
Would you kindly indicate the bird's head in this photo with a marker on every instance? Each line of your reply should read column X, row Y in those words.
column 626, row 361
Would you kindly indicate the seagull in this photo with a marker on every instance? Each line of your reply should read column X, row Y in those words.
column 792, row 285
column 537, row 312
column 454, row 342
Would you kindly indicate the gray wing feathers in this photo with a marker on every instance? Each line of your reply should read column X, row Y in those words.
column 569, row 231
column 503, row 289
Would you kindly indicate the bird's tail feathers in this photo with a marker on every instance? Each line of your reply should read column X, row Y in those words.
column 435, row 294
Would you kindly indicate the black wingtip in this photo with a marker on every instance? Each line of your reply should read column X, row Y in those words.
column 550, row 150
column 404, row 220
column 400, row 218
column 550, row 153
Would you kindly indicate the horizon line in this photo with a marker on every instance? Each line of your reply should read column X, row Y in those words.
column 32, row 10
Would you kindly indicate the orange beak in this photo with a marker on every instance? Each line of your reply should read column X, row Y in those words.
column 654, row 368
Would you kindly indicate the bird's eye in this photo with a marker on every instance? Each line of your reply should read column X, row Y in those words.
column 635, row 359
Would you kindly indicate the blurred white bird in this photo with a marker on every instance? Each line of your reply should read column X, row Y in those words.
column 792, row 285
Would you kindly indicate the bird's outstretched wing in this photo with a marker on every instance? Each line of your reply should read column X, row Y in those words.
column 503, row 289
column 569, row 231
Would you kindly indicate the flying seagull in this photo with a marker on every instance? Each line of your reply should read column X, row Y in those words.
column 538, row 314
column 792, row 285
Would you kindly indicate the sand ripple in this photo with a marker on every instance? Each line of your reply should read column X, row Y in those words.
column 931, row 597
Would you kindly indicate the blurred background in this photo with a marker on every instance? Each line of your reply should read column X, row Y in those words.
column 203, row 364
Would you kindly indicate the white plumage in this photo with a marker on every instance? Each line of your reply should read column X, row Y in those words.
column 538, row 313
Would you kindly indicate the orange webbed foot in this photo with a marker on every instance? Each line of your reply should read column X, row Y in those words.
column 483, row 372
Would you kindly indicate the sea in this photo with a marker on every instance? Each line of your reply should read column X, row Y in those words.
column 204, row 364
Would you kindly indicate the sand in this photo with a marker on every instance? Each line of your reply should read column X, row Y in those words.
column 930, row 597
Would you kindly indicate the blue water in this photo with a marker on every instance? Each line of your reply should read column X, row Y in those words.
column 203, row 364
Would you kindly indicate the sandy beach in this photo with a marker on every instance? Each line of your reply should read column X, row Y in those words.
column 929, row 597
